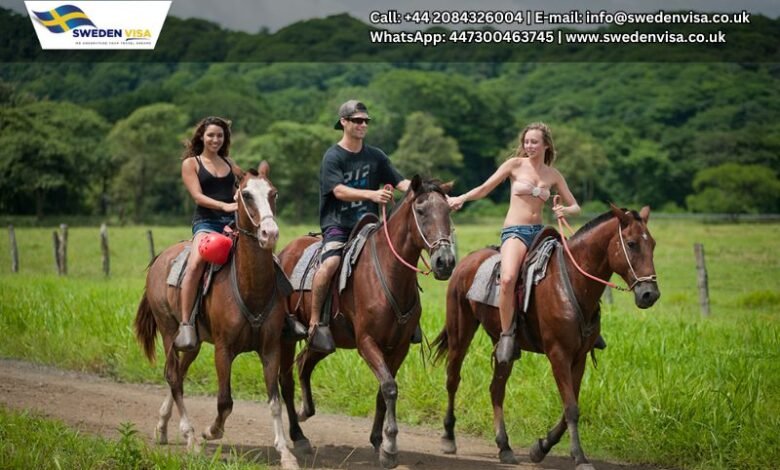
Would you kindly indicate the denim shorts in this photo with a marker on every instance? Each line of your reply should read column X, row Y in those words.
column 211, row 225
column 526, row 233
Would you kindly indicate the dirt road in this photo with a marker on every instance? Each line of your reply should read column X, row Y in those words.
column 97, row 405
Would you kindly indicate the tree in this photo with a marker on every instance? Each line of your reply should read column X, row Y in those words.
column 49, row 153
column 424, row 149
column 146, row 171
column 581, row 159
column 735, row 189
column 294, row 152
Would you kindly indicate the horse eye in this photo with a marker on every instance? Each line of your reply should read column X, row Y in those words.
column 246, row 194
column 631, row 244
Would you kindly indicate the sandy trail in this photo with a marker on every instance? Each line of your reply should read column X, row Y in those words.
column 97, row 405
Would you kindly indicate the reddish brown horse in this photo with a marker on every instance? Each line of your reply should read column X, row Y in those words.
column 562, row 319
column 245, row 288
column 380, row 307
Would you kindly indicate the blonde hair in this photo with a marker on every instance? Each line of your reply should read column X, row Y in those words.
column 549, row 153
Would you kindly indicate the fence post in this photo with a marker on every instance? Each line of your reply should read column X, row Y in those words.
column 56, row 241
column 63, row 251
column 701, row 269
column 151, row 244
column 104, row 249
column 14, row 250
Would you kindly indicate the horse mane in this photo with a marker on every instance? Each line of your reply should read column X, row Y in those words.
column 428, row 186
column 595, row 222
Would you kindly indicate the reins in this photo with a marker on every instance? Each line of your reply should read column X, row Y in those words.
column 562, row 221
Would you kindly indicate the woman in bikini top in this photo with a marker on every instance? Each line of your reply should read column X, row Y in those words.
column 534, row 157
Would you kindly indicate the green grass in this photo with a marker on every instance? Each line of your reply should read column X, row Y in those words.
column 28, row 441
column 673, row 388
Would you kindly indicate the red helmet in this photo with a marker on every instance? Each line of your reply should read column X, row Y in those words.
column 215, row 247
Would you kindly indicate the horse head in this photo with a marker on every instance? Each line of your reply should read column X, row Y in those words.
column 632, row 256
column 430, row 214
column 257, row 207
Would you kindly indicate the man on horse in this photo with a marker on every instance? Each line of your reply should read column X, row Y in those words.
column 349, row 175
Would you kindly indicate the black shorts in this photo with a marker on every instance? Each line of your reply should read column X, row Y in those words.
column 333, row 240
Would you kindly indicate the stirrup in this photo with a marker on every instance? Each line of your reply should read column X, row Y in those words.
column 505, row 348
column 417, row 336
column 187, row 338
column 293, row 329
column 321, row 339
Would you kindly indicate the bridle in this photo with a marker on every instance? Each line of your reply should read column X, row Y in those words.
column 430, row 246
column 637, row 279
column 255, row 225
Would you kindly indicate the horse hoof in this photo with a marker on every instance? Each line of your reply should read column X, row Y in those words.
column 536, row 454
column 211, row 435
column 161, row 436
column 585, row 466
column 507, row 456
column 448, row 446
column 303, row 446
column 387, row 460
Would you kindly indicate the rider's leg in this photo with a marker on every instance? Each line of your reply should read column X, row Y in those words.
column 320, row 337
column 512, row 254
column 187, row 338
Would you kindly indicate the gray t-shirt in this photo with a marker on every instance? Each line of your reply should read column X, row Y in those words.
column 367, row 169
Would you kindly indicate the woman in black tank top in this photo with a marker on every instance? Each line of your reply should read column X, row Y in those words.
column 210, row 177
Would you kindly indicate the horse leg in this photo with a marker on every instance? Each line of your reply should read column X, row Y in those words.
column 388, row 449
column 380, row 410
column 175, row 371
column 307, row 361
column 287, row 385
column 271, row 359
column 223, row 360
column 459, row 337
column 568, row 376
column 501, row 373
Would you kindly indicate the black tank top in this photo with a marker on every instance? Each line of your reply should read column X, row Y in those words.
column 222, row 189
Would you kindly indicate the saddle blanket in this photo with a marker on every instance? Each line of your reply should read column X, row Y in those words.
column 178, row 268
column 303, row 272
column 485, row 287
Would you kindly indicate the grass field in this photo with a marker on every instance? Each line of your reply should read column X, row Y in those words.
column 29, row 441
column 672, row 389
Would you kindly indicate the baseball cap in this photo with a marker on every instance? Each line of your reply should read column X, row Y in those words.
column 348, row 109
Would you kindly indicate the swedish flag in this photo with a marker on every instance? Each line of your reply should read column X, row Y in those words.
column 63, row 18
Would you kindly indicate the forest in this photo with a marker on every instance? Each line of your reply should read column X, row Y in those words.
column 100, row 133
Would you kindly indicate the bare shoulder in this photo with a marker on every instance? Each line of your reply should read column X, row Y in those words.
column 189, row 163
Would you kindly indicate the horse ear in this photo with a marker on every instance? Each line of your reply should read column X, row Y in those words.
column 416, row 184
column 644, row 213
column 622, row 216
column 264, row 168
column 447, row 187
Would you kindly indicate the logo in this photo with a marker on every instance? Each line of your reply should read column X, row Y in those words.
column 63, row 18
column 98, row 24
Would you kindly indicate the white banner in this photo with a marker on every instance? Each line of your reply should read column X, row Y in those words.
column 68, row 24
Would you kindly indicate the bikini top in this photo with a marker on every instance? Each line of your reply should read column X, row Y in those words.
column 526, row 188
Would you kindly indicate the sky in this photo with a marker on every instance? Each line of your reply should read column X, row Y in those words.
column 253, row 15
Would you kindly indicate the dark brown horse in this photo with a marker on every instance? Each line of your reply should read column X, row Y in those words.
column 246, row 285
column 378, row 321
column 562, row 322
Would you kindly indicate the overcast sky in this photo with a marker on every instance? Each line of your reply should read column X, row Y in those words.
column 252, row 15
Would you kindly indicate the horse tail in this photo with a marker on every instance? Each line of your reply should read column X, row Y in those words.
column 146, row 327
column 441, row 345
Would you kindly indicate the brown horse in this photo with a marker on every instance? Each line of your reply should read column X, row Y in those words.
column 562, row 319
column 380, row 306
column 246, row 286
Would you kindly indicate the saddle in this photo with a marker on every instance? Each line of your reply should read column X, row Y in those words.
column 303, row 273
column 486, row 284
